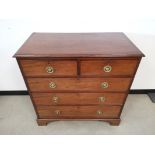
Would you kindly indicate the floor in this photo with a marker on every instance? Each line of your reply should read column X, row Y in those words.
column 17, row 117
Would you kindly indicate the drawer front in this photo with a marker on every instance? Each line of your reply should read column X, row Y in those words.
column 82, row 84
column 78, row 111
column 108, row 67
column 49, row 68
column 78, row 98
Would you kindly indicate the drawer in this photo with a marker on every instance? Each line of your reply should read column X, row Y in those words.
column 81, row 84
column 108, row 67
column 78, row 98
column 49, row 67
column 78, row 111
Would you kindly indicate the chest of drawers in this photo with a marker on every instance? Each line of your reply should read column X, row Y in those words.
column 78, row 76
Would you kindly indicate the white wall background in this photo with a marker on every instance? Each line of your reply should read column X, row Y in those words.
column 19, row 18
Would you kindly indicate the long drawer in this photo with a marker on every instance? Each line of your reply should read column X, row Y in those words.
column 81, row 84
column 108, row 67
column 78, row 111
column 49, row 68
column 46, row 99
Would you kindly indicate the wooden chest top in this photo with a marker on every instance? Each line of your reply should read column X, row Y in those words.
column 78, row 45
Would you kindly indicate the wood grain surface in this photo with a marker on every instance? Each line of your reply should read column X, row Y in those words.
column 38, row 67
column 81, row 84
column 78, row 111
column 119, row 67
column 78, row 98
column 78, row 61
column 78, row 45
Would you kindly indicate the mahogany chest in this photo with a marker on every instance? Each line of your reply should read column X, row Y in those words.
column 78, row 76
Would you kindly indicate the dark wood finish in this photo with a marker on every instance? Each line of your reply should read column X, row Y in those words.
column 111, row 121
column 130, row 86
column 42, row 122
column 119, row 67
column 78, row 45
column 80, row 85
column 82, row 99
column 25, row 79
column 36, row 68
column 78, row 61
column 78, row 111
column 114, row 122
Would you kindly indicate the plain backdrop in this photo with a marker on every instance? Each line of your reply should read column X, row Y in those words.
column 19, row 18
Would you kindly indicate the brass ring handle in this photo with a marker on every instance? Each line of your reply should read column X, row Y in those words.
column 57, row 112
column 99, row 112
column 107, row 68
column 102, row 99
column 52, row 85
column 55, row 99
column 49, row 69
column 104, row 85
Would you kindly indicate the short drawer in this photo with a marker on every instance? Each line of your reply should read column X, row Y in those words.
column 78, row 98
column 108, row 67
column 49, row 67
column 78, row 111
column 81, row 84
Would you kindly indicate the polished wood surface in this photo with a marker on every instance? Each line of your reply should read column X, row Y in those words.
column 119, row 67
column 38, row 67
column 78, row 111
column 82, row 99
column 66, row 77
column 78, row 45
column 81, row 84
